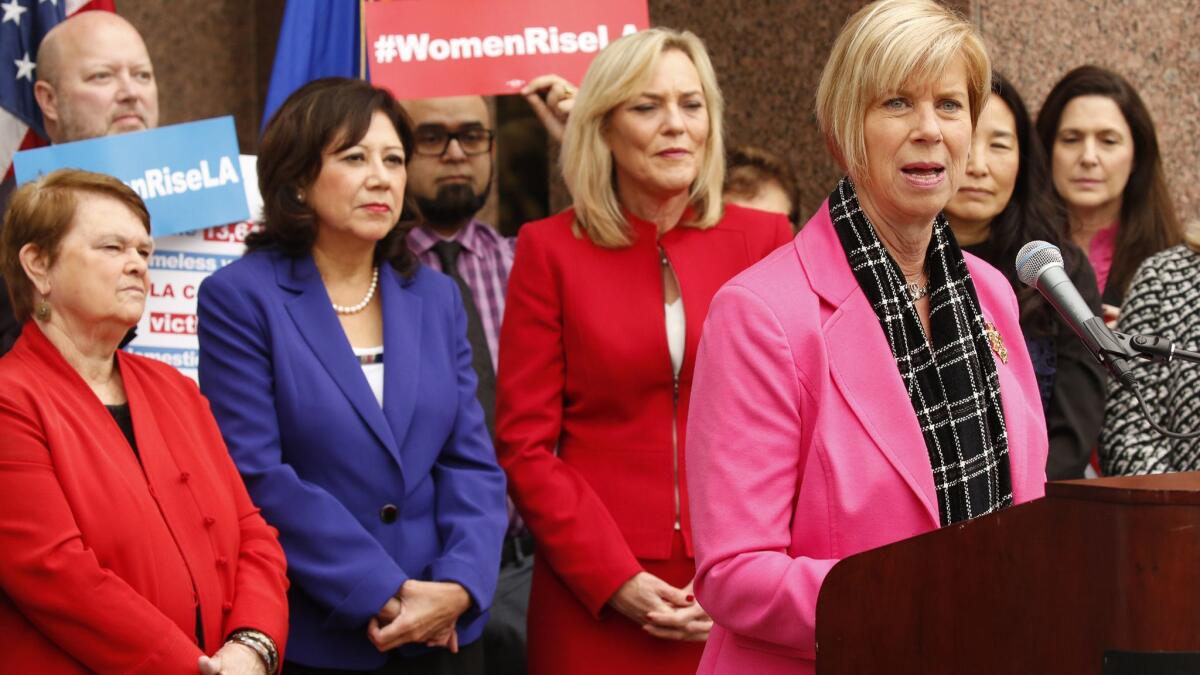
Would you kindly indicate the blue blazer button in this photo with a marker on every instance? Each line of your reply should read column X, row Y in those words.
column 388, row 513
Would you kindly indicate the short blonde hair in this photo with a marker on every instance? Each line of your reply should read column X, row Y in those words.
column 617, row 75
column 41, row 213
column 883, row 46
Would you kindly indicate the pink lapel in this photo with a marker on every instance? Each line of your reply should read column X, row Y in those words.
column 1019, row 396
column 860, row 361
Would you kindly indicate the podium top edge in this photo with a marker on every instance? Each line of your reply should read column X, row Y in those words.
column 1167, row 488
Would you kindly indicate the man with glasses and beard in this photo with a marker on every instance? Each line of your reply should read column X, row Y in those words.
column 450, row 176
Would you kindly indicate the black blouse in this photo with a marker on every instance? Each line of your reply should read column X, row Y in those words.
column 124, row 419
column 1071, row 381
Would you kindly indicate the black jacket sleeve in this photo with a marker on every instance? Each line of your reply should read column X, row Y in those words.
column 1113, row 295
column 1076, row 410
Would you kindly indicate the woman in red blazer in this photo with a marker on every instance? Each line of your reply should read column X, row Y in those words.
column 128, row 543
column 604, row 309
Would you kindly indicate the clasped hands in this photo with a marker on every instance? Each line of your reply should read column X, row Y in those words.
column 422, row 611
column 661, row 609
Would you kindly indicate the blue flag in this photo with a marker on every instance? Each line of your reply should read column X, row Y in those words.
column 319, row 38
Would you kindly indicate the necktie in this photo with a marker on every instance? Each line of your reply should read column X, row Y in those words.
column 481, row 357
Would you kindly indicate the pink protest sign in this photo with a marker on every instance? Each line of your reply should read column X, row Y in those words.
column 427, row 48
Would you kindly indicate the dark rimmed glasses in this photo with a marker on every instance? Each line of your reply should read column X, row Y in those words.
column 434, row 140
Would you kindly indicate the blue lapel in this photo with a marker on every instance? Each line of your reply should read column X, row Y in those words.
column 317, row 323
column 402, row 322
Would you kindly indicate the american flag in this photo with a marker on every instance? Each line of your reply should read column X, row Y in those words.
column 23, row 24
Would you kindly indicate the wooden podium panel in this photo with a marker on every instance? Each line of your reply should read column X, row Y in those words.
column 1050, row 586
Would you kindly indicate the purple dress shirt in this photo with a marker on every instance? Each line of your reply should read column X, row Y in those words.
column 484, row 264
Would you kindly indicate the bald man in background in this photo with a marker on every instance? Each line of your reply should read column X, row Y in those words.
column 94, row 78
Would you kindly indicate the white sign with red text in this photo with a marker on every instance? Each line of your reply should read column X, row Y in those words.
column 167, row 331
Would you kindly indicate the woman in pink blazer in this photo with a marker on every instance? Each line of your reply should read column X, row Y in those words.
column 869, row 382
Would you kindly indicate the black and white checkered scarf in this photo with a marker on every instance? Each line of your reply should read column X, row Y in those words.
column 952, row 384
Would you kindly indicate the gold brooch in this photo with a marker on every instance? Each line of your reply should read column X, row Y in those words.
column 995, row 341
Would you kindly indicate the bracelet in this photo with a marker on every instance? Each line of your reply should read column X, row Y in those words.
column 261, row 644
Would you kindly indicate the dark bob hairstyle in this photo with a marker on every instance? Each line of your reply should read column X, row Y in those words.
column 1148, row 221
column 1032, row 212
column 325, row 115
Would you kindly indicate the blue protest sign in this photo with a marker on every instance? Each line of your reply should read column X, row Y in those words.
column 188, row 174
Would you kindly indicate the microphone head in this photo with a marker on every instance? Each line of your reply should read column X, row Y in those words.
column 1034, row 258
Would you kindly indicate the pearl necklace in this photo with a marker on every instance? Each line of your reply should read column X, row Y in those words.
column 355, row 309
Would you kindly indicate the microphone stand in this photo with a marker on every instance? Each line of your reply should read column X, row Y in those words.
column 1118, row 349
column 1121, row 349
column 1156, row 349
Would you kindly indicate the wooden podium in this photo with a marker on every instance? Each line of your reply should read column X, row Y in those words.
column 1100, row 567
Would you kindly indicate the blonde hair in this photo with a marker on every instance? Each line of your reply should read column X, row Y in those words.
column 881, row 47
column 618, row 74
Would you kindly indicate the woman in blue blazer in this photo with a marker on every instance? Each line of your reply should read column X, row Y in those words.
column 340, row 373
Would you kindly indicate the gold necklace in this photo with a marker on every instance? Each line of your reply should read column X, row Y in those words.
column 916, row 291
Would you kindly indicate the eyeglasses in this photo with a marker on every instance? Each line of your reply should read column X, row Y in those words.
column 435, row 140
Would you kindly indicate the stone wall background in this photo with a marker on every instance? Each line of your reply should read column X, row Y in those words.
column 211, row 57
column 769, row 55
column 214, row 57
column 1155, row 44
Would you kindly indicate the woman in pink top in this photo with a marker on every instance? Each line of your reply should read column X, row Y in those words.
column 1108, row 175
column 868, row 382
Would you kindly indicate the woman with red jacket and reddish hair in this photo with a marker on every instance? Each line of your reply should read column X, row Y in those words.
column 128, row 543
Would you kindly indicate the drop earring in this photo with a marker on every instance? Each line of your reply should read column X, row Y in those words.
column 42, row 311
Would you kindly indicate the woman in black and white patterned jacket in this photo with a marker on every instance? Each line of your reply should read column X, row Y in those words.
column 1163, row 300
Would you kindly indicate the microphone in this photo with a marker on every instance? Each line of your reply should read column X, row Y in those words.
column 1040, row 265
